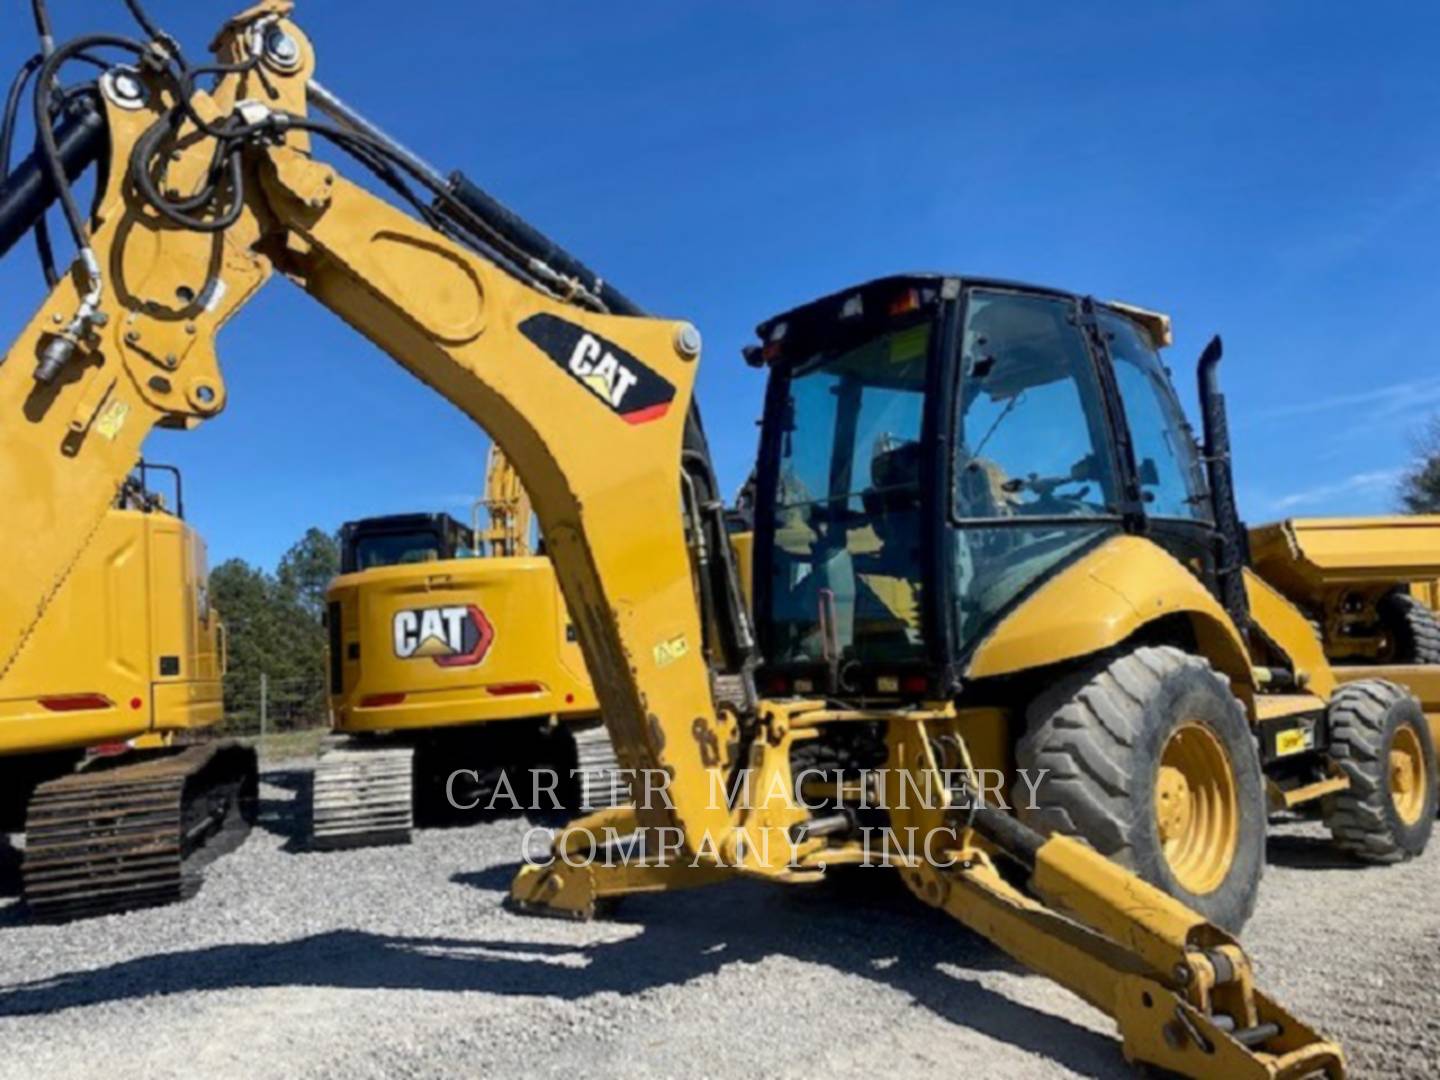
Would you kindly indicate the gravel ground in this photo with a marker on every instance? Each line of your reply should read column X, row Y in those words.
column 401, row 962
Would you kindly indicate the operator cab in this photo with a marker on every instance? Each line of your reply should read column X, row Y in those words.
column 935, row 448
column 400, row 539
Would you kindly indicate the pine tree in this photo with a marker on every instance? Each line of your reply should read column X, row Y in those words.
column 1420, row 487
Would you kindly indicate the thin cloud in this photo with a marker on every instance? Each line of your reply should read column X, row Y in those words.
column 1385, row 402
column 1333, row 245
column 1323, row 493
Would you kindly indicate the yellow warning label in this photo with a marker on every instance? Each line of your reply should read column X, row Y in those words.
column 1292, row 741
column 667, row 652
column 111, row 419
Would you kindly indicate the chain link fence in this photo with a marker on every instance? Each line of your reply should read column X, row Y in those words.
column 288, row 715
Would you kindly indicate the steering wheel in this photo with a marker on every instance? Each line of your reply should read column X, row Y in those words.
column 1045, row 488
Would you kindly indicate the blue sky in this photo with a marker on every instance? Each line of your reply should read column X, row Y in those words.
column 1270, row 171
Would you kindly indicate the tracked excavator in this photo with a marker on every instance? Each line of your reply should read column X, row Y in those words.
column 452, row 655
column 103, row 712
column 204, row 192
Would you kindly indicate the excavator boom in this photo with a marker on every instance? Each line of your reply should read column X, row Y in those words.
column 507, row 507
column 207, row 194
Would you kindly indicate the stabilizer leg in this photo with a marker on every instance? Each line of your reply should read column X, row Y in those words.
column 1180, row 989
column 600, row 858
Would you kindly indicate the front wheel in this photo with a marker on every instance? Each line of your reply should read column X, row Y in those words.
column 1149, row 758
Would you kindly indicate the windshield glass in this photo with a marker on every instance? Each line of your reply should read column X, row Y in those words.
column 1034, row 477
column 392, row 549
column 1171, row 483
column 1032, row 433
column 845, row 577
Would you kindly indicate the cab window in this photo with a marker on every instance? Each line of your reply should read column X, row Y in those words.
column 1171, row 483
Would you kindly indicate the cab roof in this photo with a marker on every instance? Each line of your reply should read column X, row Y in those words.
column 929, row 287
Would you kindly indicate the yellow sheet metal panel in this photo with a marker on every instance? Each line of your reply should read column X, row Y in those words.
column 457, row 641
column 91, row 671
column 743, row 544
column 1303, row 555
column 183, row 630
column 1102, row 599
column 1287, row 626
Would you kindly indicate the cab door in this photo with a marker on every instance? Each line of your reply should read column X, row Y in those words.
column 1173, row 495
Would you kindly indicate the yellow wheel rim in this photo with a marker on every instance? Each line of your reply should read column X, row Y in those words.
column 1407, row 775
column 1197, row 811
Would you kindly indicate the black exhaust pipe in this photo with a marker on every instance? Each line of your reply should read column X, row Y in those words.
column 1233, row 545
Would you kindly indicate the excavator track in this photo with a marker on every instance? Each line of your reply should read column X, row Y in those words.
column 602, row 783
column 363, row 796
column 112, row 839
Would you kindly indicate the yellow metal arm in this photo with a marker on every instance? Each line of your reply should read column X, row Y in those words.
column 590, row 408
column 507, row 505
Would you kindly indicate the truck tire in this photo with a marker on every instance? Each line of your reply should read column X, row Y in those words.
column 1149, row 758
column 1380, row 739
column 1413, row 628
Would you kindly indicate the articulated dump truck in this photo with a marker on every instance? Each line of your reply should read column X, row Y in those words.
column 1371, row 589
column 102, row 722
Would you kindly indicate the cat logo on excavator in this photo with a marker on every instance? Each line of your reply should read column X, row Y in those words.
column 613, row 374
column 458, row 635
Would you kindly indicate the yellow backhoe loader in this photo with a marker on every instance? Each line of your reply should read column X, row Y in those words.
column 918, row 580
column 122, row 671
column 451, row 656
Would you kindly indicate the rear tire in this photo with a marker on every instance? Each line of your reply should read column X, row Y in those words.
column 1149, row 758
column 1380, row 739
column 1414, row 629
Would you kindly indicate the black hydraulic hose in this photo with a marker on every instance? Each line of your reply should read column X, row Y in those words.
column 29, row 189
column 153, row 31
column 42, row 25
column 50, row 154
column 140, row 156
column 12, row 109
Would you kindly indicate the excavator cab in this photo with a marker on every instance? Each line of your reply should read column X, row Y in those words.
column 399, row 539
column 934, row 450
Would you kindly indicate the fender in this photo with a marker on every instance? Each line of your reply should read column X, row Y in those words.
column 1093, row 604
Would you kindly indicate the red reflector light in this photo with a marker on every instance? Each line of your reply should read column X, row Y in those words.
column 380, row 701
column 777, row 686
column 914, row 684
column 509, row 689
column 135, row 703
column 110, row 749
column 76, row 702
column 907, row 301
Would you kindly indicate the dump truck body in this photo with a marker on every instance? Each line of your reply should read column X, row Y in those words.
column 1370, row 585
